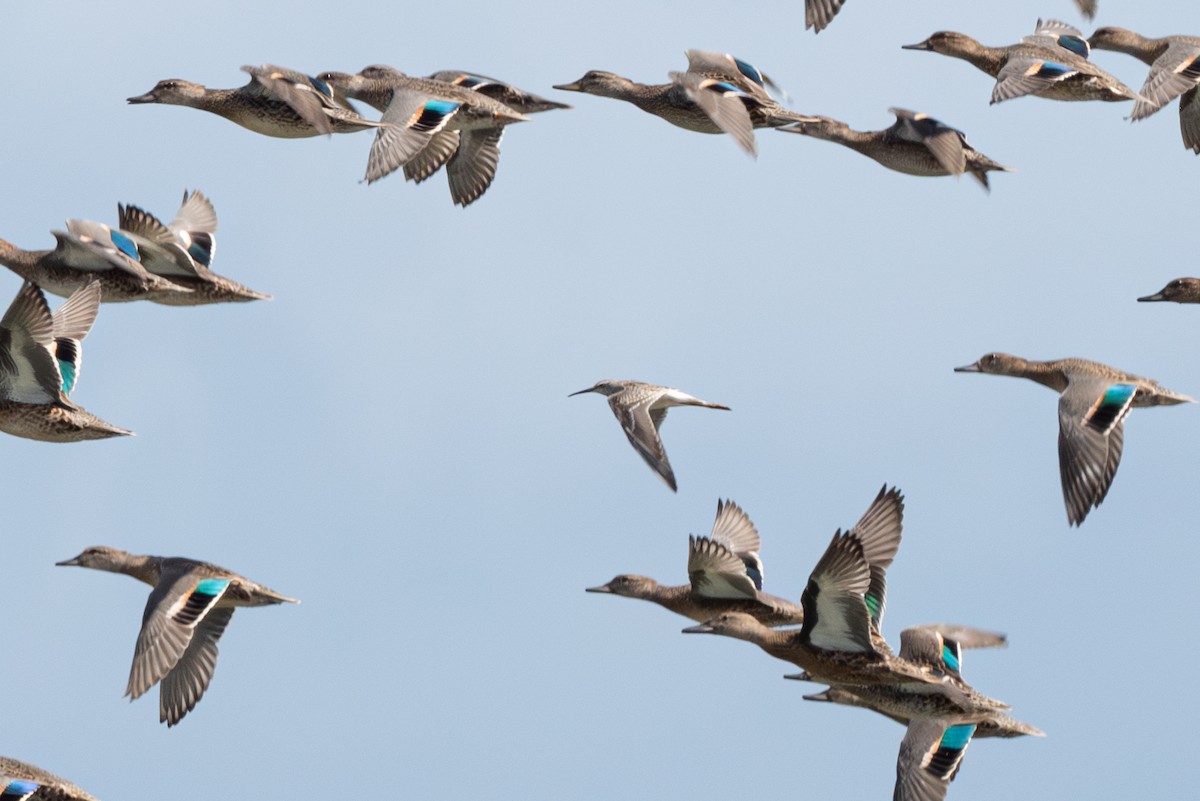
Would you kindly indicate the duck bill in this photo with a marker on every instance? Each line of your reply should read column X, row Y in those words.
column 798, row 676
column 968, row 368
column 568, row 87
column 601, row 588
column 918, row 46
column 703, row 628
column 1152, row 298
column 72, row 562
column 822, row 696
column 149, row 97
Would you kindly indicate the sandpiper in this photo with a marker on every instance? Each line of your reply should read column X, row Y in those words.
column 641, row 408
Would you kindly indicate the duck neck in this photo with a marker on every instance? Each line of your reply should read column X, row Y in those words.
column 639, row 94
column 988, row 59
column 677, row 599
column 21, row 262
column 222, row 102
column 780, row 644
column 855, row 140
column 1047, row 374
column 375, row 93
column 1141, row 47
column 143, row 568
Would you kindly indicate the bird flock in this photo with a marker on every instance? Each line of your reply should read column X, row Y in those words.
column 456, row 120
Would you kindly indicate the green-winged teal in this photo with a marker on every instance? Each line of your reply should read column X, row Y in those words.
column 40, row 356
column 1035, row 66
column 90, row 251
column 469, row 175
column 938, row 729
column 421, row 113
column 1054, row 34
column 182, row 252
column 940, row 648
column 276, row 102
column 516, row 99
column 725, row 574
column 1174, row 72
column 186, row 614
column 930, row 755
column 640, row 409
column 843, row 601
column 718, row 94
column 1181, row 290
column 1094, row 399
column 916, row 144
column 20, row 781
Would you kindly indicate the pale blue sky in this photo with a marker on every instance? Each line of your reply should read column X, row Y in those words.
column 390, row 441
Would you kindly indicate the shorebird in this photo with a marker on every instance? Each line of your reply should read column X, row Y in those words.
column 40, row 356
column 1094, row 400
column 640, row 409
column 20, row 781
column 916, row 144
column 725, row 574
column 186, row 613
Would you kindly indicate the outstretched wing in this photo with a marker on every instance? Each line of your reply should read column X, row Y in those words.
column 836, row 617
column 184, row 686
column 71, row 323
column 641, row 427
column 1028, row 75
column 930, row 756
column 28, row 370
column 717, row 572
column 173, row 613
column 722, row 102
column 1091, row 414
column 1174, row 72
